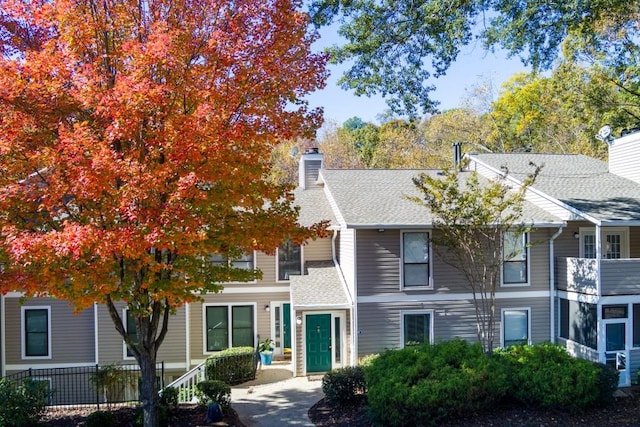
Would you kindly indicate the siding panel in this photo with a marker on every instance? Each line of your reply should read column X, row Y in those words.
column 72, row 335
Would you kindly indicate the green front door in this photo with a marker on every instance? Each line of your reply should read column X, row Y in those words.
column 318, row 341
column 286, row 325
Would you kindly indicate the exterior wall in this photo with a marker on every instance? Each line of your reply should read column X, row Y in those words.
column 65, row 327
column 111, row 348
column 379, row 324
column 634, row 365
column 317, row 250
column 620, row 276
column 255, row 297
column 624, row 157
column 347, row 249
column 378, row 266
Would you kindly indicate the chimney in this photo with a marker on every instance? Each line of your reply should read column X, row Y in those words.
column 309, row 169
column 624, row 156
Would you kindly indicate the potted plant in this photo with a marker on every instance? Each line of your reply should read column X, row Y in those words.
column 265, row 348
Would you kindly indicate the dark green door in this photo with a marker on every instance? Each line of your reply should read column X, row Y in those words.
column 286, row 325
column 318, row 334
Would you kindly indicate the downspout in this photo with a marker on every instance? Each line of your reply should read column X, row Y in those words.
column 552, row 284
column 352, row 323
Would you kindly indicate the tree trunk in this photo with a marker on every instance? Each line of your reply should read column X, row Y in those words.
column 148, row 389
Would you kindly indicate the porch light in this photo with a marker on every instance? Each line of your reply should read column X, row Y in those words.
column 267, row 308
column 298, row 320
column 576, row 235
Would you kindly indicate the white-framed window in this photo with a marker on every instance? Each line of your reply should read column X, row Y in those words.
column 245, row 262
column 515, row 259
column 289, row 258
column 416, row 327
column 228, row 325
column 132, row 333
column 516, row 326
column 36, row 332
column 415, row 260
column 614, row 242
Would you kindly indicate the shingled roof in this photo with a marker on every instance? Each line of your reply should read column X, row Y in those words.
column 579, row 181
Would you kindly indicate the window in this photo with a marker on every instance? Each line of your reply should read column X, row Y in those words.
column 613, row 246
column 636, row 325
column 228, row 326
column 515, row 327
column 415, row 259
column 132, row 333
column 289, row 260
column 416, row 328
column 515, row 255
column 589, row 246
column 245, row 262
column 579, row 322
column 36, row 332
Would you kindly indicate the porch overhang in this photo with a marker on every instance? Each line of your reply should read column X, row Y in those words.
column 319, row 289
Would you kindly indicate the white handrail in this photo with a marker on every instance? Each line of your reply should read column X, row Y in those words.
column 186, row 384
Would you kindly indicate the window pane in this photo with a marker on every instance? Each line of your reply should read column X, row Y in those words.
column 336, row 340
column 615, row 336
column 636, row 325
column 515, row 272
column 289, row 261
column 416, row 329
column 514, row 247
column 36, row 332
column 131, row 331
column 217, row 328
column 245, row 262
column 415, row 258
column 416, row 275
column 613, row 248
column 589, row 245
column 516, row 327
column 242, row 326
column 614, row 311
column 416, row 247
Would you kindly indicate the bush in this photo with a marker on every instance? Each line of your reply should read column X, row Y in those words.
column 214, row 391
column 233, row 366
column 421, row 385
column 100, row 419
column 344, row 386
column 22, row 405
column 365, row 361
column 163, row 417
column 169, row 397
column 546, row 376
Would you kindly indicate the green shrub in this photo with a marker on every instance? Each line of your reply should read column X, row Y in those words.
column 344, row 386
column 421, row 385
column 214, row 391
column 546, row 376
column 365, row 361
column 100, row 419
column 24, row 404
column 233, row 366
column 163, row 417
column 169, row 397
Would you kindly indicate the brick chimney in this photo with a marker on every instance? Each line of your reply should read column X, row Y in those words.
column 309, row 169
column 624, row 156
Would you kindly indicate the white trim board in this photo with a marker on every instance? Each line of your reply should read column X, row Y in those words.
column 385, row 298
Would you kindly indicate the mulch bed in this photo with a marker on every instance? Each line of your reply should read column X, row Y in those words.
column 183, row 416
column 625, row 411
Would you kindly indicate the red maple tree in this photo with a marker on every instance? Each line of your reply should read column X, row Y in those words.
column 135, row 137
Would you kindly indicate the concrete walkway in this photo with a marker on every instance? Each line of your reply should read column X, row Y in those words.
column 275, row 398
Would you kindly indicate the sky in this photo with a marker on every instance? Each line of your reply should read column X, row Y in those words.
column 473, row 66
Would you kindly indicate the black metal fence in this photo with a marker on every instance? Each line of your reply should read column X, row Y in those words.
column 90, row 385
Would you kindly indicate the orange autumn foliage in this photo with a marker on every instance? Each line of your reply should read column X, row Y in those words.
column 135, row 137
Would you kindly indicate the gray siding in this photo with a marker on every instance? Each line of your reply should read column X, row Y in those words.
column 634, row 365
column 66, row 327
column 378, row 266
column 111, row 346
column 379, row 324
column 620, row 276
column 624, row 157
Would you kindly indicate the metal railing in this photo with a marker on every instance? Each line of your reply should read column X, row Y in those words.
column 186, row 384
column 90, row 385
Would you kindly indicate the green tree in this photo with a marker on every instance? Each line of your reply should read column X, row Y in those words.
column 396, row 47
column 470, row 217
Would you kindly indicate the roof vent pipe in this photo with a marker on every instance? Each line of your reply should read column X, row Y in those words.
column 457, row 154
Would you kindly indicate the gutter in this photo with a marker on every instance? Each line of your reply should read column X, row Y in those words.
column 552, row 284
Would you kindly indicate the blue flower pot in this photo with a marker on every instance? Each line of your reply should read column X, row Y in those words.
column 266, row 357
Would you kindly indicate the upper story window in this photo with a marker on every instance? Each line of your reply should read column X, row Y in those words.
column 415, row 259
column 515, row 258
column 289, row 260
column 228, row 326
column 614, row 242
column 132, row 334
column 245, row 262
column 36, row 332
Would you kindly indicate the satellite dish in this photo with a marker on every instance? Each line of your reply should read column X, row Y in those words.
column 293, row 153
column 604, row 133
